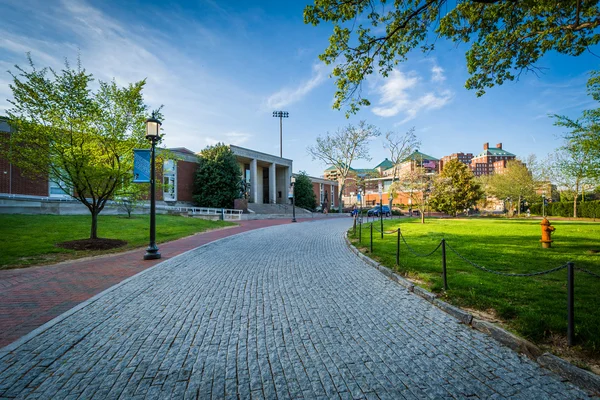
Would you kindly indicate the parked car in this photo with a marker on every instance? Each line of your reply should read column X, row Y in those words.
column 377, row 209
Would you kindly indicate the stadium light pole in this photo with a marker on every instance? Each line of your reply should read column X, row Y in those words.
column 281, row 115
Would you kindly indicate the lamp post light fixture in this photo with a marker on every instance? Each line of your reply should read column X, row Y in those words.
column 360, row 202
column 152, row 134
column 543, row 204
column 293, row 180
column 281, row 115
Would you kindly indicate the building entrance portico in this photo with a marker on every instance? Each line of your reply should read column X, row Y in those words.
column 267, row 176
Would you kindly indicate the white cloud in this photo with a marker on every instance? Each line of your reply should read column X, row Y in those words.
column 237, row 138
column 287, row 96
column 437, row 74
column 195, row 98
column 403, row 93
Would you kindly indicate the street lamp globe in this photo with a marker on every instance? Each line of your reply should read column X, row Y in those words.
column 152, row 128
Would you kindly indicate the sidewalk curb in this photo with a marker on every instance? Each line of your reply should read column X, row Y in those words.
column 4, row 351
column 578, row 376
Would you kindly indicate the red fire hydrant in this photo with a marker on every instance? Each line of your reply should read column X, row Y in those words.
column 546, row 233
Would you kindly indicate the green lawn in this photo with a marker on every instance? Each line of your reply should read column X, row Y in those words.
column 534, row 307
column 30, row 239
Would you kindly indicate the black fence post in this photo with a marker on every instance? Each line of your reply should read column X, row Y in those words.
column 570, row 306
column 381, row 223
column 444, row 274
column 398, row 249
column 360, row 230
column 371, row 237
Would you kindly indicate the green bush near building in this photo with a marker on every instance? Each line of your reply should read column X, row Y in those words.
column 534, row 307
column 585, row 209
column 31, row 239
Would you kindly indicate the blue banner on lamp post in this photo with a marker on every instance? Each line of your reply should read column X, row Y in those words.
column 141, row 165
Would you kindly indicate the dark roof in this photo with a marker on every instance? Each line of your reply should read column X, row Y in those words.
column 418, row 156
column 385, row 164
column 182, row 150
column 494, row 151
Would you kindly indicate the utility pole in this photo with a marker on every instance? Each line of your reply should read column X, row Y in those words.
column 281, row 115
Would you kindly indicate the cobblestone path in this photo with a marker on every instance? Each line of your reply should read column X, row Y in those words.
column 282, row 312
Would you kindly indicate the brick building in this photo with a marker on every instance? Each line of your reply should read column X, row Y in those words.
column 464, row 158
column 491, row 160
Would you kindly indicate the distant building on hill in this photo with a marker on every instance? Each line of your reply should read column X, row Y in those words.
column 464, row 158
column 491, row 160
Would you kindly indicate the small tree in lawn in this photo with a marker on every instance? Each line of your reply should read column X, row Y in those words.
column 303, row 190
column 342, row 148
column 130, row 197
column 516, row 183
column 399, row 147
column 416, row 185
column 455, row 189
column 577, row 162
column 81, row 140
column 217, row 181
column 571, row 167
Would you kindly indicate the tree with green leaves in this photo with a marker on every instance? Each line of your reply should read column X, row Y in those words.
column 455, row 189
column 342, row 148
column 129, row 197
column 78, row 138
column 399, row 147
column 515, row 183
column 504, row 37
column 572, row 167
column 577, row 162
column 304, row 193
column 416, row 184
column 217, row 177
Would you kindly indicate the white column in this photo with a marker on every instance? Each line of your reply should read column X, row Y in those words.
column 333, row 196
column 273, row 183
column 253, row 182
column 288, row 182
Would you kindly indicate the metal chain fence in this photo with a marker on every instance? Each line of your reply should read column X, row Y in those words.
column 549, row 271
column 570, row 266
column 415, row 252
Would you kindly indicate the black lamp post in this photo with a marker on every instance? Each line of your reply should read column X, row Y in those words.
column 281, row 115
column 543, row 204
column 293, row 198
column 360, row 196
column 152, row 134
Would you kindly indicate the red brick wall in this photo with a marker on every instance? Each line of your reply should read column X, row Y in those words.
column 186, row 171
column 21, row 184
column 317, row 191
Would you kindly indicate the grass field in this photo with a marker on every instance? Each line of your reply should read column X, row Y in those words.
column 534, row 307
column 30, row 239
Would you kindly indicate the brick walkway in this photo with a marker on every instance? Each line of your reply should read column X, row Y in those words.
column 30, row 297
column 284, row 312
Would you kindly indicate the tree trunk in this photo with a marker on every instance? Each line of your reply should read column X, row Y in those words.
column 94, row 230
column 423, row 215
column 575, row 200
column 519, row 207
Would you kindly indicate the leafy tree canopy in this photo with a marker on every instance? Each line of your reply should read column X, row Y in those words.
column 217, row 178
column 505, row 37
column 342, row 148
column 80, row 139
column 304, row 193
column 515, row 183
column 455, row 189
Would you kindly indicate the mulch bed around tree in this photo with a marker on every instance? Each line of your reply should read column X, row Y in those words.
column 92, row 244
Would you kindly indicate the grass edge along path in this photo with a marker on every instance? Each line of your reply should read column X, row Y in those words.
column 533, row 307
column 30, row 240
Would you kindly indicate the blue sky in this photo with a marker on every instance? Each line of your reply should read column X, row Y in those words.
column 222, row 67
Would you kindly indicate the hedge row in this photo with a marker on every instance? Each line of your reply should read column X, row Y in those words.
column 587, row 209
